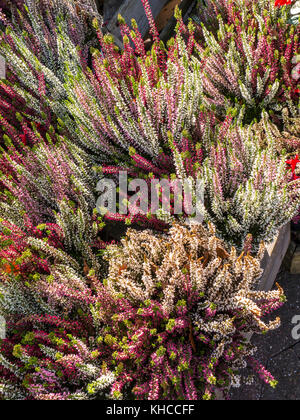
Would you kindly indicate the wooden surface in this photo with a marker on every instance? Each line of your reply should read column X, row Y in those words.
column 2, row 67
column 272, row 262
column 2, row 327
column 186, row 7
column 134, row 9
column 110, row 8
column 295, row 263
column 162, row 10
column 166, row 14
column 274, row 257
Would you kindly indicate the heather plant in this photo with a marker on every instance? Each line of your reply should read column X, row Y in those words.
column 48, row 358
column 289, row 137
column 55, row 269
column 38, row 179
column 53, row 184
column 176, row 308
column 45, row 290
column 249, row 58
column 36, row 55
column 45, row 296
column 243, row 174
column 154, row 108
column 209, row 10
column 36, row 28
column 41, row 274
column 50, row 235
column 130, row 101
column 246, row 186
column 169, row 319
column 167, row 323
column 7, row 5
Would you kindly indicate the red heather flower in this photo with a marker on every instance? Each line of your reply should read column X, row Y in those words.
column 23, row 138
column 293, row 163
column 11, row 268
column 282, row 2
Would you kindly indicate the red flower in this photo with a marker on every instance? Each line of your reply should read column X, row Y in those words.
column 282, row 2
column 23, row 138
column 293, row 164
column 11, row 268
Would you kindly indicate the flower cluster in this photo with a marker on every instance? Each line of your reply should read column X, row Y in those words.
column 160, row 313
column 49, row 359
column 245, row 183
column 184, row 306
column 32, row 43
column 249, row 57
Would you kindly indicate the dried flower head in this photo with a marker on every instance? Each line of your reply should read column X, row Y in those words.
column 184, row 304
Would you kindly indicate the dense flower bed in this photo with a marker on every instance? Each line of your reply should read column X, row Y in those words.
column 160, row 311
